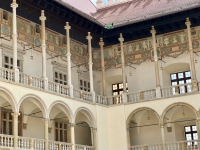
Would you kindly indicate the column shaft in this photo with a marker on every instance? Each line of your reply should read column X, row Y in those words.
column 101, row 43
column 163, row 137
column 72, row 137
column 15, row 129
column 121, row 39
column 193, row 70
column 46, row 133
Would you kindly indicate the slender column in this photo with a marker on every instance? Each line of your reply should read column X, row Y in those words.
column 128, row 137
column 121, row 39
column 46, row 133
column 15, row 129
column 198, row 128
column 163, row 136
column 69, row 78
column 89, row 38
column 94, row 132
column 72, row 137
column 14, row 6
column 158, row 92
column 101, row 43
column 193, row 70
column 44, row 74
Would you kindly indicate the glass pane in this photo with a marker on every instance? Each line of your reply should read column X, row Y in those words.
column 56, row 124
column 174, row 83
column 180, row 75
column 65, row 136
column 115, row 93
column 84, row 84
column 120, row 92
column 115, row 87
column 6, row 59
column 173, row 76
column 121, row 86
column 88, row 85
column 61, row 136
column 188, row 81
column 4, row 115
column 188, row 137
column 187, row 129
column 11, row 61
column 60, row 125
column 18, row 63
column 187, row 74
column 4, row 127
column 56, row 75
column 181, row 82
column 10, row 116
column 194, row 128
column 56, row 134
column 65, row 126
column 81, row 82
column 195, row 136
column 10, row 128
column 60, row 75
column 65, row 78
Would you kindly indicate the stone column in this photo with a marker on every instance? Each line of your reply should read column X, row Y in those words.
column 69, row 77
column 44, row 74
column 72, row 137
column 121, row 39
column 158, row 90
column 198, row 128
column 46, row 133
column 193, row 70
column 163, row 136
column 94, row 136
column 14, row 6
column 15, row 129
column 89, row 38
column 101, row 43
column 1, row 57
column 128, row 138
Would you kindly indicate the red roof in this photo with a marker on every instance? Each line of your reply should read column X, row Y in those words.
column 139, row 10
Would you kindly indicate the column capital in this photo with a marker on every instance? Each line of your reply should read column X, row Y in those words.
column 42, row 17
column 89, row 37
column 71, row 124
column 153, row 31
column 188, row 23
column 121, row 39
column 94, row 129
column 15, row 114
column 68, row 54
column 46, row 119
column 101, row 43
column 14, row 4
column 67, row 27
column 90, row 63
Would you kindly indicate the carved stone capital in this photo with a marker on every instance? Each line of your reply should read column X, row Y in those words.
column 121, row 39
column 67, row 27
column 14, row 4
column 42, row 17
column 89, row 37
column 153, row 31
column 15, row 114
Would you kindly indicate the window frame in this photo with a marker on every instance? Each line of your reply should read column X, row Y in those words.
column 10, row 62
column 118, row 90
column 191, row 132
column 61, row 129
column 180, row 79
column 64, row 82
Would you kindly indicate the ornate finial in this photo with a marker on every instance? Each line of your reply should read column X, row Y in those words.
column 121, row 35
column 42, row 17
column 42, row 14
column 89, row 33
column 153, row 28
column 101, row 39
column 187, row 19
column 67, row 26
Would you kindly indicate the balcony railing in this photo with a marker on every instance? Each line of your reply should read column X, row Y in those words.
column 64, row 90
column 54, row 145
column 6, row 141
column 84, row 147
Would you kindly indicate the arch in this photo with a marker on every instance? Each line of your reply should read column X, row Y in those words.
column 177, row 104
column 88, row 114
column 140, row 109
column 65, row 106
column 9, row 97
column 40, row 103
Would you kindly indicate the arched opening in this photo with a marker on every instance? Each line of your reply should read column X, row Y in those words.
column 84, row 125
column 143, row 125
column 180, row 123
column 33, row 113
column 59, row 125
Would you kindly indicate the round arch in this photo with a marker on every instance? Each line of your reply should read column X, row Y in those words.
column 39, row 102
column 7, row 95
column 88, row 115
column 68, row 111
column 178, row 104
column 138, row 110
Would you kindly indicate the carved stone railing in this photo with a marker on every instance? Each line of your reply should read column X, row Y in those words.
column 54, row 145
column 84, row 147
column 113, row 100
column 176, row 90
column 139, row 147
column 155, row 147
column 31, row 81
column 6, row 74
column 185, row 145
column 142, row 95
column 82, row 95
column 6, row 141
column 100, row 99
column 53, row 86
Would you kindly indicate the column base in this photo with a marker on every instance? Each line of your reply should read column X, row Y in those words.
column 16, row 75
column 158, row 92
column 45, row 83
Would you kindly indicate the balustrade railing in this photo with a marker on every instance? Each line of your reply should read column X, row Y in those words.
column 100, row 99
column 139, row 147
column 83, row 95
column 6, row 74
column 53, row 86
column 142, row 95
column 155, row 147
column 84, row 147
column 176, row 90
column 24, row 143
column 113, row 100
column 6, row 141
column 185, row 145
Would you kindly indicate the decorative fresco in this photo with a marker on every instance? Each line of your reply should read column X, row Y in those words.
column 136, row 52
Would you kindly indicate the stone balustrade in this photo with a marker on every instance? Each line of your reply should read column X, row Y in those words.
column 84, row 147
column 64, row 90
column 6, row 141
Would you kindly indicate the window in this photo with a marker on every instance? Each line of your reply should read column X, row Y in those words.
column 61, row 131
column 60, row 78
column 7, row 122
column 84, row 85
column 5, row 15
column 191, row 134
column 8, row 63
column 117, row 89
column 37, row 28
column 181, row 78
